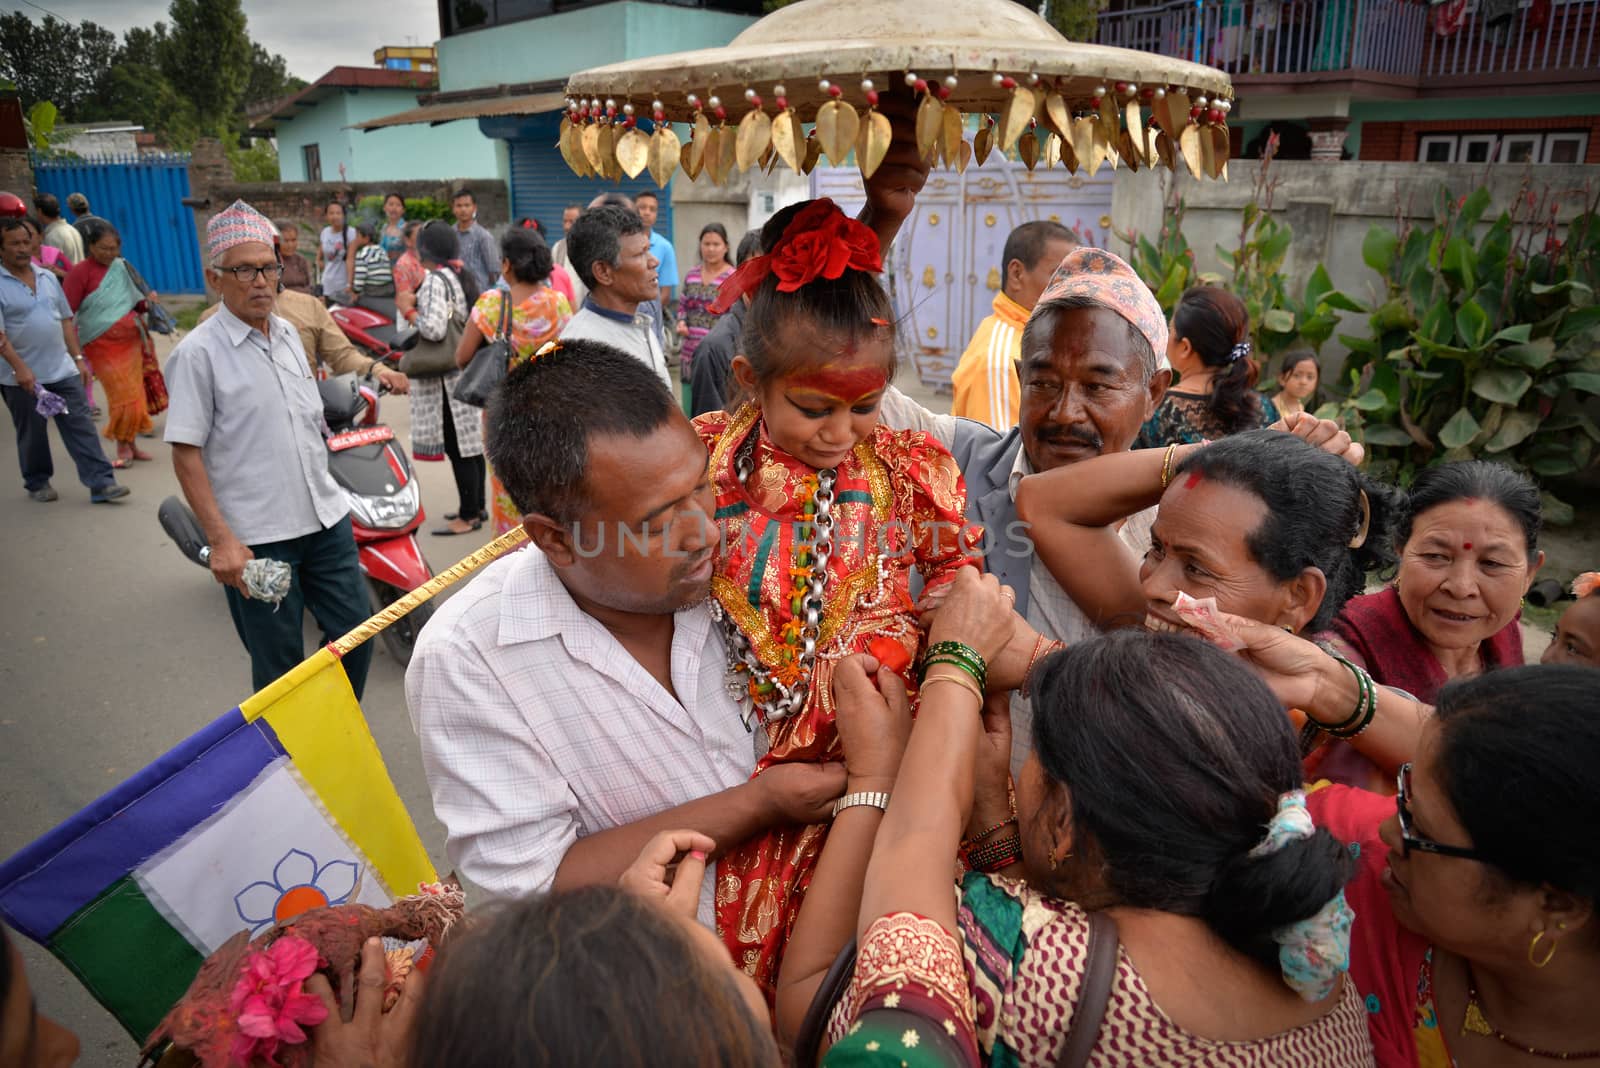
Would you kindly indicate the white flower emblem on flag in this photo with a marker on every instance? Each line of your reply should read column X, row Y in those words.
column 298, row 885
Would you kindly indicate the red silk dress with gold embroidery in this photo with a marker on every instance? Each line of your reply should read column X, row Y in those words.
column 899, row 503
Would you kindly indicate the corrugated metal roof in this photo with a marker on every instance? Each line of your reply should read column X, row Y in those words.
column 433, row 114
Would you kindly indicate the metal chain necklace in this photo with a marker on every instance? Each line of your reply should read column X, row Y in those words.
column 751, row 682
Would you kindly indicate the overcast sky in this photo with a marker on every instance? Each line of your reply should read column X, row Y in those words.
column 313, row 35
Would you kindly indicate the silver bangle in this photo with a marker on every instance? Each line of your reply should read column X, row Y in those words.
column 876, row 798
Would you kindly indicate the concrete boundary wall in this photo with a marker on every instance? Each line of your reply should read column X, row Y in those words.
column 1330, row 207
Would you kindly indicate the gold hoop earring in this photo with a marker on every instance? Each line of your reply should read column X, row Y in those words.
column 1550, row 951
column 1051, row 858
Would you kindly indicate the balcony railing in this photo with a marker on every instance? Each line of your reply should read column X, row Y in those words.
column 1392, row 37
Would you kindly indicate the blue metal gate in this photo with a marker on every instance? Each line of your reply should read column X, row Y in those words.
column 142, row 196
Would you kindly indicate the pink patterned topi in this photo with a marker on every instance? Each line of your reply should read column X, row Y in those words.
column 1109, row 282
column 239, row 224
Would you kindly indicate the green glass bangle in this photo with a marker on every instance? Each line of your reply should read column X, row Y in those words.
column 1362, row 682
column 979, row 676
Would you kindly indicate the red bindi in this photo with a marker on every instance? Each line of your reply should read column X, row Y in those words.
column 1193, row 480
column 1466, row 546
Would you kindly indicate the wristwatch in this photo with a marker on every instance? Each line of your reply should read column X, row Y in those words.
column 876, row 798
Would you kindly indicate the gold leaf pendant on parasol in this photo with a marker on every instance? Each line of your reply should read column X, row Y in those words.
column 876, row 134
column 983, row 142
column 950, row 136
column 722, row 152
column 930, row 123
column 699, row 141
column 693, row 156
column 837, row 127
column 1018, row 113
column 788, row 139
column 754, row 138
column 664, row 154
column 1189, row 148
column 1221, row 150
column 1057, row 118
column 633, row 152
column 813, row 154
column 591, row 147
column 1028, row 149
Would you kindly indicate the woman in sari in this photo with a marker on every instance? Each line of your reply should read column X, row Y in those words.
column 1162, row 795
column 102, row 293
column 1475, row 943
column 538, row 313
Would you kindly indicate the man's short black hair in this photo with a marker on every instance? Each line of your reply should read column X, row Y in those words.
column 643, row 193
column 9, row 223
column 1029, row 241
column 463, row 191
column 47, row 205
column 749, row 245
column 544, row 414
column 596, row 237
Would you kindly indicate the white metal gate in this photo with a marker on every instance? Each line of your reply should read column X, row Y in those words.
column 945, row 267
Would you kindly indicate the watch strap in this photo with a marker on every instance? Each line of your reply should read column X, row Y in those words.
column 878, row 799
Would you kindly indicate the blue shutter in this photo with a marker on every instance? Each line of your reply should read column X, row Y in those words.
column 542, row 185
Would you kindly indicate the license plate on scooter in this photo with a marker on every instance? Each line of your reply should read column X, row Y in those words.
column 350, row 439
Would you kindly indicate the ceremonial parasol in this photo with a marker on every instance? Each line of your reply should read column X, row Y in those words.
column 825, row 62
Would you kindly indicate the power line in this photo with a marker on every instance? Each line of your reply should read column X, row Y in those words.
column 47, row 11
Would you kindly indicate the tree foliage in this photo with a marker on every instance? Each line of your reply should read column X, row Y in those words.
column 192, row 76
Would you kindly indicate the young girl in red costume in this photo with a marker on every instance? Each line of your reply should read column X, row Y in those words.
column 823, row 514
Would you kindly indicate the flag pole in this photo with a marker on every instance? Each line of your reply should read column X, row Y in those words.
column 506, row 542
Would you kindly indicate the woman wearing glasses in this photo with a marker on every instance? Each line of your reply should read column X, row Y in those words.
column 1476, row 940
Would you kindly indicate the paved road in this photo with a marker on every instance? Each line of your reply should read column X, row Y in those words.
column 113, row 648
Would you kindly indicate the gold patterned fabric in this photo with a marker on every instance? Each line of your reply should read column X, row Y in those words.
column 899, row 503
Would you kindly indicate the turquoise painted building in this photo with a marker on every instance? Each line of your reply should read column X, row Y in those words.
column 503, row 63
column 319, row 139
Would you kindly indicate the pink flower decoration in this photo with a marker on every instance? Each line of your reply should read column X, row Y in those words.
column 270, row 1002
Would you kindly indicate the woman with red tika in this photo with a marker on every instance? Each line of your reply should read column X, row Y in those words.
column 823, row 514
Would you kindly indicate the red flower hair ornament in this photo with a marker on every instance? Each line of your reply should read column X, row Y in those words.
column 819, row 242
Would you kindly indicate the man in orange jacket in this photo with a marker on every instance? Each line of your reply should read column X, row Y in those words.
column 986, row 378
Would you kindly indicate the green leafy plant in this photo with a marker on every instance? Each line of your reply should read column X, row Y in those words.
column 42, row 125
column 1486, row 345
column 257, row 163
column 418, row 209
column 1279, row 320
column 1167, row 264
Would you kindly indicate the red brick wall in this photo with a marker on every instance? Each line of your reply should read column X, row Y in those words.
column 1397, row 141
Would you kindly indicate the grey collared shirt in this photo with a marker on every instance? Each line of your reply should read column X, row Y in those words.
column 248, row 401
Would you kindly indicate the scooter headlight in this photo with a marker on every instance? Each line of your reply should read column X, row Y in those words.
column 388, row 513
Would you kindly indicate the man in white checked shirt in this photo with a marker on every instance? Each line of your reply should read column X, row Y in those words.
column 570, row 701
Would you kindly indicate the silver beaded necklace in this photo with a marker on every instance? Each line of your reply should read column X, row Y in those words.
column 746, row 670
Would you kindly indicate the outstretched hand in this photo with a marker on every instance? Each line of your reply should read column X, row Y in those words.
column 669, row 871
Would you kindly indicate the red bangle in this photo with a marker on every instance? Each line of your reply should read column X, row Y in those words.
column 996, row 855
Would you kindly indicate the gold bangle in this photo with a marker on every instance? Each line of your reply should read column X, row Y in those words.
column 1166, row 465
column 957, row 680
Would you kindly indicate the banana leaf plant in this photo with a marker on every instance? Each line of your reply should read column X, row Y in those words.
column 1487, row 344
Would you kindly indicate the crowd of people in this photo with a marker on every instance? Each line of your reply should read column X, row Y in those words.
column 1224, row 752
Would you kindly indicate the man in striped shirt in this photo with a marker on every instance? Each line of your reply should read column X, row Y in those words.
column 986, row 378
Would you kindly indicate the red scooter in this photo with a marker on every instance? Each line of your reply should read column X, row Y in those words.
column 372, row 468
column 372, row 324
